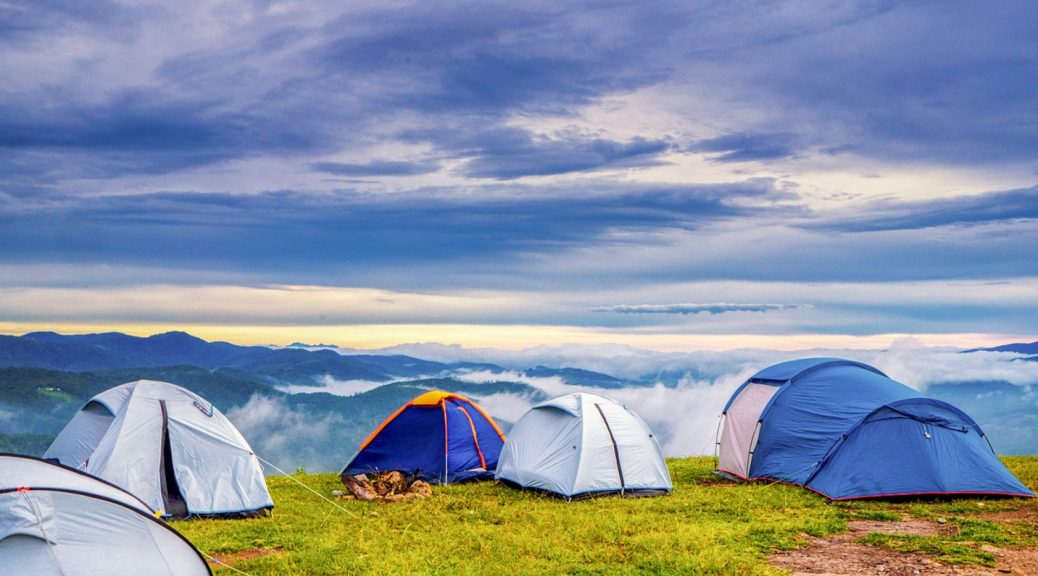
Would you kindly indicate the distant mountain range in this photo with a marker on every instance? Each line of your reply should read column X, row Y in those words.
column 1019, row 348
column 293, row 365
column 45, row 377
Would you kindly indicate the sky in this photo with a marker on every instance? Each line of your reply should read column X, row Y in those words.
column 667, row 175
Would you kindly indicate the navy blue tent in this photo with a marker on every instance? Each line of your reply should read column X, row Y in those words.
column 439, row 437
column 846, row 430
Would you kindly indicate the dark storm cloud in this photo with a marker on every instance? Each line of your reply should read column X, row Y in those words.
column 464, row 87
column 376, row 168
column 947, row 82
column 136, row 132
column 744, row 147
column 989, row 208
column 20, row 19
column 332, row 233
column 507, row 153
column 943, row 81
column 280, row 88
column 486, row 60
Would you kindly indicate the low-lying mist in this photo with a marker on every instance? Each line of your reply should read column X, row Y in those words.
column 680, row 395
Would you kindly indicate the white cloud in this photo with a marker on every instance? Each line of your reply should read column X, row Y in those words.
column 680, row 395
column 717, row 308
column 333, row 386
column 286, row 437
column 504, row 406
column 918, row 366
column 687, row 391
column 684, row 416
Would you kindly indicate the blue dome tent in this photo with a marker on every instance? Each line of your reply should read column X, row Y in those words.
column 439, row 437
column 846, row 430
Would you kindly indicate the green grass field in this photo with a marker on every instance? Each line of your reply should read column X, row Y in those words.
column 704, row 527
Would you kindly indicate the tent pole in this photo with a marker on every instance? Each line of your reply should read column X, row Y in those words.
column 717, row 440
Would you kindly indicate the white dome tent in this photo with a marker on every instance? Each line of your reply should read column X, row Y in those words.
column 169, row 447
column 581, row 445
column 56, row 521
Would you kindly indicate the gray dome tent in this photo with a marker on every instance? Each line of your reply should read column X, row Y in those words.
column 581, row 445
column 166, row 445
column 56, row 521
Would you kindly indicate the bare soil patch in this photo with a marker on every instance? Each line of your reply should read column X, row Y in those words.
column 842, row 555
column 1019, row 515
column 909, row 526
column 232, row 558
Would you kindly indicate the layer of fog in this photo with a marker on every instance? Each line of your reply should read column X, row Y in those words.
column 683, row 416
column 906, row 360
column 289, row 438
column 332, row 386
column 680, row 395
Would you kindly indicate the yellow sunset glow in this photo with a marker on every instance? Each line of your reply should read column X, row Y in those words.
column 508, row 337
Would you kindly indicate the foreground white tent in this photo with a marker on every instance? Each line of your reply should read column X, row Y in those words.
column 167, row 446
column 55, row 521
column 583, row 445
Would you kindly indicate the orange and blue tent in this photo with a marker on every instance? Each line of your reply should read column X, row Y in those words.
column 439, row 437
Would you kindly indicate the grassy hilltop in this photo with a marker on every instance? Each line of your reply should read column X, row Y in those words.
column 704, row 527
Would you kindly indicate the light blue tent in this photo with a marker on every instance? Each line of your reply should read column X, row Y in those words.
column 582, row 445
column 169, row 447
column 57, row 521
column 846, row 430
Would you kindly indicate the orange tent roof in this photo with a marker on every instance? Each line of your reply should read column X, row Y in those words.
column 429, row 399
column 434, row 398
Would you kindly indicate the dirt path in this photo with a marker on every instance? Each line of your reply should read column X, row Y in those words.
column 842, row 555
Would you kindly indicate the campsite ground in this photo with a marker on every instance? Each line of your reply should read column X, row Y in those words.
column 707, row 526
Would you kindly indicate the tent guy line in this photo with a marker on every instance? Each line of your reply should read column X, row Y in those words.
column 296, row 480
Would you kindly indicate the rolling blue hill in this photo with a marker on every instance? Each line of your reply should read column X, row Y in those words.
column 292, row 365
column 1019, row 348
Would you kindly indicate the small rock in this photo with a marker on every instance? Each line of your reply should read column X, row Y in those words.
column 942, row 520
